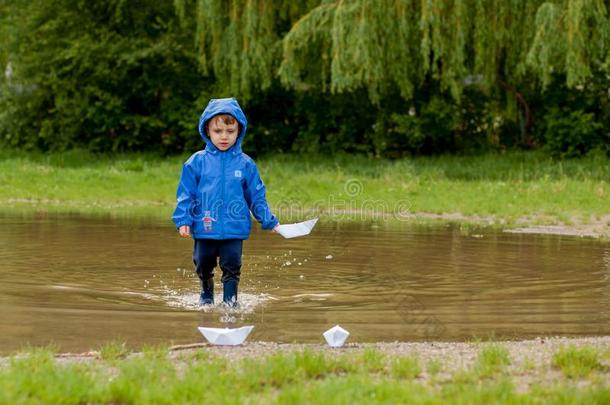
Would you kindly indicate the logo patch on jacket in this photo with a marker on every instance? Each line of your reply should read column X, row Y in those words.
column 237, row 173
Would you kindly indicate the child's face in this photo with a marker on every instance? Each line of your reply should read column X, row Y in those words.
column 223, row 136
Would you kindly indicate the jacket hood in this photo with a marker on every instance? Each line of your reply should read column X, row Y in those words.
column 223, row 106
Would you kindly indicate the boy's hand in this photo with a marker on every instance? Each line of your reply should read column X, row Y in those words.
column 185, row 231
column 275, row 228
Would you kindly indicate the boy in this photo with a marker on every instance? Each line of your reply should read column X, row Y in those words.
column 218, row 189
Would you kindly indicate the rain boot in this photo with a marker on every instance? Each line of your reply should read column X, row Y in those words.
column 230, row 293
column 207, row 292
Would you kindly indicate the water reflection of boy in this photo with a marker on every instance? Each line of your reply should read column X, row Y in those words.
column 218, row 189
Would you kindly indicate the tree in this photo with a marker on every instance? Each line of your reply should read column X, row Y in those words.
column 395, row 48
column 379, row 45
column 105, row 75
column 366, row 76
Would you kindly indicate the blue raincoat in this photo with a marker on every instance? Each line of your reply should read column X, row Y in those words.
column 218, row 190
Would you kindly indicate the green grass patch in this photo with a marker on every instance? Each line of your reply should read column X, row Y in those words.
column 406, row 367
column 113, row 351
column 577, row 362
column 506, row 186
column 37, row 378
column 371, row 361
column 299, row 377
column 492, row 358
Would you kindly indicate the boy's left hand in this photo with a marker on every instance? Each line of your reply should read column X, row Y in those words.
column 275, row 228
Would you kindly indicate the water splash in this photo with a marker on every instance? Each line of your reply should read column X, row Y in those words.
column 248, row 302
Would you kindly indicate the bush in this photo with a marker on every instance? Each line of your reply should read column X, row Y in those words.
column 105, row 76
column 429, row 130
column 572, row 134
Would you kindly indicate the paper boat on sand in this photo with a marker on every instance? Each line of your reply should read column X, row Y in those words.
column 226, row 336
column 336, row 336
column 299, row 229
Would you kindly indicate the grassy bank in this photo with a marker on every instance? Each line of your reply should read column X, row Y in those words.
column 517, row 186
column 573, row 374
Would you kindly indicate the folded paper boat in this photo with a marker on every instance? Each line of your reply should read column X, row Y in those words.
column 226, row 336
column 336, row 336
column 295, row 230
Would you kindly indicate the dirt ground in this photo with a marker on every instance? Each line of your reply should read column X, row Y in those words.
column 594, row 227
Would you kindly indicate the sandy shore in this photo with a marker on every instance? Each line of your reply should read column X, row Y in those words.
column 455, row 354
column 593, row 227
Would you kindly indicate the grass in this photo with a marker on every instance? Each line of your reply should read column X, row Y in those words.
column 406, row 367
column 491, row 360
column 577, row 362
column 113, row 351
column 503, row 186
column 306, row 376
column 434, row 367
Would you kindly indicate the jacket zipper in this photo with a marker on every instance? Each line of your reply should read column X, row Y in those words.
column 222, row 207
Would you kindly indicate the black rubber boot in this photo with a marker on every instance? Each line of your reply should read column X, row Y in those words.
column 207, row 292
column 229, row 296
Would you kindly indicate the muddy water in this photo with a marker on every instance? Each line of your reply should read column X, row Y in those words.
column 79, row 283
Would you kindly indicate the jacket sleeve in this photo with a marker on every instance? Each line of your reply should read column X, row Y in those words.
column 255, row 197
column 185, row 195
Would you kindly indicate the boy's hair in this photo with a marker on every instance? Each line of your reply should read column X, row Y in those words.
column 227, row 119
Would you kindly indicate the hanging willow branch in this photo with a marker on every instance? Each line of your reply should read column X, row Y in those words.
column 240, row 41
column 382, row 45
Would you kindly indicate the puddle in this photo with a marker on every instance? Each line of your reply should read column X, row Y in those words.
column 81, row 282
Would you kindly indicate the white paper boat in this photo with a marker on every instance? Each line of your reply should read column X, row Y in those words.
column 226, row 336
column 336, row 336
column 299, row 229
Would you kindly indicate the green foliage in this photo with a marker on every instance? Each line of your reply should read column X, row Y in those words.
column 239, row 41
column 430, row 130
column 399, row 48
column 573, row 133
column 571, row 37
column 314, row 76
column 380, row 46
column 108, row 76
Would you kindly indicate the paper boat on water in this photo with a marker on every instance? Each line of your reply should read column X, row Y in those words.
column 336, row 336
column 299, row 229
column 226, row 336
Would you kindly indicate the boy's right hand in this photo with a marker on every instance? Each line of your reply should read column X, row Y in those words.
column 185, row 231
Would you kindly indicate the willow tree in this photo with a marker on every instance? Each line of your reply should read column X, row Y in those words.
column 239, row 41
column 383, row 45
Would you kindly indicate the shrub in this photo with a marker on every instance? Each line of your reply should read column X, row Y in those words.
column 572, row 134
